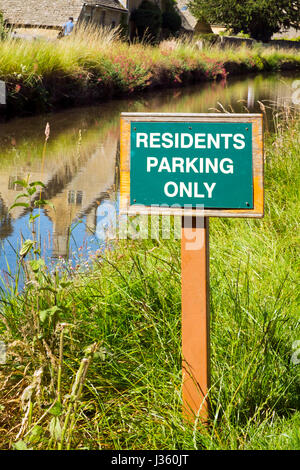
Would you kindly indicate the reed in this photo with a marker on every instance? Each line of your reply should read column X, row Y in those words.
column 104, row 368
column 94, row 64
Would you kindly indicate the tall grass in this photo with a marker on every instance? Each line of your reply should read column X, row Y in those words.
column 112, row 379
column 94, row 64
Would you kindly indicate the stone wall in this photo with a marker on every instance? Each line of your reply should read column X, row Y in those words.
column 233, row 41
column 102, row 16
column 236, row 41
column 285, row 44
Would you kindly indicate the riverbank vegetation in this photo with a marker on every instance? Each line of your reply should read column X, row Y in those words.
column 93, row 358
column 95, row 64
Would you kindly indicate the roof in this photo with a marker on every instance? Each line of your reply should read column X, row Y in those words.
column 113, row 4
column 40, row 12
column 47, row 13
column 188, row 20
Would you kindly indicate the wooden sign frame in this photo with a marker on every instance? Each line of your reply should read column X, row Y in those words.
column 257, row 160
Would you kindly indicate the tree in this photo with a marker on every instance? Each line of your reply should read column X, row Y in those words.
column 147, row 19
column 259, row 18
column 171, row 20
column 3, row 27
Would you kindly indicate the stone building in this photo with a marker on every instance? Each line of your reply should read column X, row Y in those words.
column 46, row 17
column 34, row 16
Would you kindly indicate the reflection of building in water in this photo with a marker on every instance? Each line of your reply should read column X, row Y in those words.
column 78, row 197
column 6, row 228
column 250, row 99
column 71, row 188
column 76, row 178
column 10, row 189
column 60, row 243
column 107, row 220
column 91, row 220
column 75, row 197
column 13, row 184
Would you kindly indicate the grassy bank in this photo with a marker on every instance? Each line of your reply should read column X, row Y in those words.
column 94, row 65
column 93, row 359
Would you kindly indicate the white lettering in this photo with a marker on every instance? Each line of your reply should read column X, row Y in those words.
column 164, row 165
column 141, row 137
column 155, row 140
column 186, row 145
column 215, row 140
column 188, row 191
column 196, row 191
column 190, row 164
column 226, row 138
column 177, row 162
column 167, row 141
column 186, row 140
column 199, row 139
column 239, row 139
column 151, row 163
column 229, row 167
column 209, row 189
column 175, row 189
column 213, row 165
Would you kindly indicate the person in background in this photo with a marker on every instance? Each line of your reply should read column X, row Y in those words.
column 68, row 27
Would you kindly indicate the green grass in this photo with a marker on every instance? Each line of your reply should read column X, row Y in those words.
column 130, row 305
column 95, row 64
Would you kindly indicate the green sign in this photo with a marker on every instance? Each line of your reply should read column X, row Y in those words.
column 191, row 164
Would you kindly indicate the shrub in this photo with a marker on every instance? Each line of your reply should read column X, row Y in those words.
column 209, row 38
column 3, row 28
column 171, row 20
column 260, row 19
column 147, row 19
column 241, row 34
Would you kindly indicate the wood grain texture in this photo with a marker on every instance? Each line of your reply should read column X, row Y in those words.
column 195, row 318
column 124, row 165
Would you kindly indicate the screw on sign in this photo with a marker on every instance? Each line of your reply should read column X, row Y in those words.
column 196, row 166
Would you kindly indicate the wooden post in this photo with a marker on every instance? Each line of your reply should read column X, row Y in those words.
column 195, row 317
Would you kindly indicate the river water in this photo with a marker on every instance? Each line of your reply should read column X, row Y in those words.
column 79, row 163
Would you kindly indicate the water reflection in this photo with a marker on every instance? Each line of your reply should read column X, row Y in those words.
column 81, row 159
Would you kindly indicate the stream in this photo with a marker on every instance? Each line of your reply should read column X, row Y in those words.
column 79, row 163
